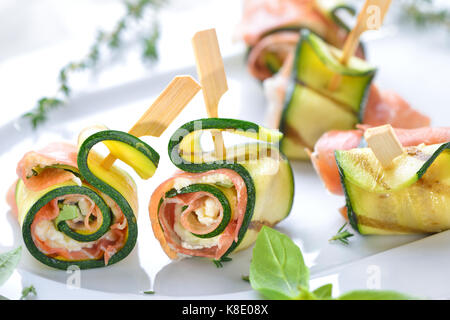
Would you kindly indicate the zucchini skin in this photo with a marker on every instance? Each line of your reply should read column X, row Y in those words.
column 352, row 214
column 88, row 177
column 352, row 217
column 295, row 83
column 236, row 126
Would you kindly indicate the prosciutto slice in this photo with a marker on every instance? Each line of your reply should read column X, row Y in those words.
column 162, row 215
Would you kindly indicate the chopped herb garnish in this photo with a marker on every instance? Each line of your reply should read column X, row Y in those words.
column 219, row 263
column 342, row 235
column 149, row 292
column 26, row 292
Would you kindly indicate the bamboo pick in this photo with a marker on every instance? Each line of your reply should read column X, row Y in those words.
column 212, row 77
column 384, row 144
column 371, row 17
column 163, row 111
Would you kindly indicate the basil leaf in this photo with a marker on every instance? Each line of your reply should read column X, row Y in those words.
column 324, row 292
column 375, row 295
column 26, row 292
column 305, row 294
column 8, row 262
column 277, row 269
column 67, row 212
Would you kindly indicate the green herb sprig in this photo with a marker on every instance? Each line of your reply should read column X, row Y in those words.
column 425, row 13
column 342, row 235
column 219, row 263
column 27, row 291
column 278, row 271
column 112, row 40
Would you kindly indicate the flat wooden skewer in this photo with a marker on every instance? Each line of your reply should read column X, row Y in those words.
column 212, row 77
column 384, row 144
column 163, row 111
column 371, row 17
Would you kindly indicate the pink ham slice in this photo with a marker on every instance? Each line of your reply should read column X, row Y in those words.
column 163, row 217
column 281, row 43
column 53, row 154
column 261, row 16
column 386, row 106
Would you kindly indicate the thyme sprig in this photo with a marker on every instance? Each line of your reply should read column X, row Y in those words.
column 342, row 235
column 112, row 40
column 219, row 263
column 425, row 13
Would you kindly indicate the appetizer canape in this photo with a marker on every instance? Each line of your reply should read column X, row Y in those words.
column 312, row 106
column 323, row 157
column 72, row 211
column 270, row 29
column 216, row 206
column 410, row 195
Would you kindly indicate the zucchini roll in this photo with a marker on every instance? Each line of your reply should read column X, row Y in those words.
column 318, row 94
column 271, row 29
column 217, row 204
column 410, row 196
column 311, row 106
column 324, row 160
column 72, row 210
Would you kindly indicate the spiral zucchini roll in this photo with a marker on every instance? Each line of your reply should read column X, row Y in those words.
column 72, row 210
column 217, row 204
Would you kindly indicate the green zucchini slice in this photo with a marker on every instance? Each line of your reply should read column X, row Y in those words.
column 104, row 187
column 262, row 168
column 311, row 107
column 411, row 196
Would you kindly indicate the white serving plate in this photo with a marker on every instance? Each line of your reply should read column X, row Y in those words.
column 418, row 72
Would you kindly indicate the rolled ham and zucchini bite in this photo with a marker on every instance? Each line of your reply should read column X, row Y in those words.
column 323, row 157
column 216, row 205
column 313, row 102
column 311, row 106
column 412, row 195
column 271, row 29
column 71, row 209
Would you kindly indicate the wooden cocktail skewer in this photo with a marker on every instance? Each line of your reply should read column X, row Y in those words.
column 371, row 17
column 163, row 111
column 384, row 144
column 212, row 77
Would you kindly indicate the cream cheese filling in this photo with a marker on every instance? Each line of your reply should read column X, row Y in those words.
column 207, row 215
column 46, row 231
